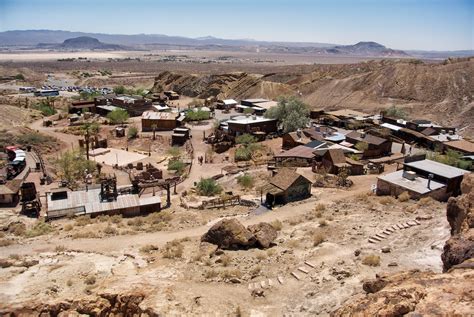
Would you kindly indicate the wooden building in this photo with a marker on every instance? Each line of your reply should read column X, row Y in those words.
column 10, row 192
column 376, row 146
column 160, row 121
column 286, row 186
column 135, row 105
column 250, row 124
column 291, row 139
column 171, row 95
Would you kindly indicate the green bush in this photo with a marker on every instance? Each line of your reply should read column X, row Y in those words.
column 118, row 116
column 198, row 115
column 243, row 154
column 132, row 132
column 245, row 139
column 174, row 151
column 119, row 90
column 20, row 77
column 246, row 181
column 208, row 187
column 45, row 108
column 395, row 112
column 176, row 165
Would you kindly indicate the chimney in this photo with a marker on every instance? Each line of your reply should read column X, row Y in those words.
column 430, row 177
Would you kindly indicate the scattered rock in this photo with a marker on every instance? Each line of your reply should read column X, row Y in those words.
column 357, row 252
column 393, row 264
column 386, row 250
column 458, row 249
column 373, row 286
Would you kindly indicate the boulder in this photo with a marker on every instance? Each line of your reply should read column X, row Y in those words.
column 264, row 233
column 373, row 286
column 229, row 234
column 458, row 249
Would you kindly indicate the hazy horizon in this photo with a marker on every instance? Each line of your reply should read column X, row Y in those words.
column 404, row 24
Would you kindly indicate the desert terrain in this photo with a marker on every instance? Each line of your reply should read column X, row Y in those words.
column 159, row 264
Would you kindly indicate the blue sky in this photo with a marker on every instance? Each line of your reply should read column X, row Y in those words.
column 402, row 24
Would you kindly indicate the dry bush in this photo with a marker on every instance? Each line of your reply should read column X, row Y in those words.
column 149, row 248
column 109, row 230
column 426, row 201
column 226, row 259
column 403, row 197
column 317, row 238
column 294, row 243
column 173, row 249
column 197, row 257
column 85, row 235
column 277, row 225
column 116, row 219
column 17, row 229
column 255, row 270
column 323, row 223
column 295, row 220
column 136, row 222
column 69, row 283
column 261, row 256
column 103, row 218
column 231, row 273
column 411, row 209
column 14, row 257
column 68, row 227
column 320, row 207
column 90, row 280
column 364, row 197
column 211, row 273
column 60, row 248
column 2, row 234
column 83, row 221
column 371, row 260
column 159, row 217
column 330, row 218
column 387, row 200
column 271, row 252
column 40, row 228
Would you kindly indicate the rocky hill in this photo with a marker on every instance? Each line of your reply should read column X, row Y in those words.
column 366, row 49
column 429, row 293
column 442, row 92
column 81, row 43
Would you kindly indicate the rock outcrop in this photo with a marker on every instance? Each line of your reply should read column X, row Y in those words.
column 428, row 293
column 232, row 235
column 460, row 214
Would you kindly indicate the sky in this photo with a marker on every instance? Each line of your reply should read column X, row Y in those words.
column 402, row 24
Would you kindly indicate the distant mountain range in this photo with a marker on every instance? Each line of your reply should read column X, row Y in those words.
column 66, row 40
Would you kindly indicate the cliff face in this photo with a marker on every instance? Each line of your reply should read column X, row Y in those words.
column 429, row 293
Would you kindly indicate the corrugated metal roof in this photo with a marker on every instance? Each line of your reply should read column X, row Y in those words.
column 418, row 185
column 299, row 151
column 437, row 168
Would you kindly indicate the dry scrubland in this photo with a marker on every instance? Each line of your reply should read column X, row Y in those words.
column 171, row 271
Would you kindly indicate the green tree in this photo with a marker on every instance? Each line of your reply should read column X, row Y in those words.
column 20, row 77
column 72, row 167
column 118, row 116
column 291, row 112
column 208, row 187
column 395, row 112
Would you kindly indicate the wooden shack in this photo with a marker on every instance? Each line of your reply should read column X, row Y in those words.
column 160, row 121
column 376, row 146
column 286, row 186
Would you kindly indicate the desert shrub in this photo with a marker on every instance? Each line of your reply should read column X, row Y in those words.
column 173, row 249
column 361, row 146
column 247, row 181
column 364, row 197
column 255, row 270
column 132, row 132
column 425, row 201
column 110, row 230
column 208, row 187
column 320, row 207
column 149, row 248
column 226, row 259
column 116, row 219
column 387, row 200
column 230, row 273
column 45, row 108
column 405, row 196
column 69, row 283
column 60, row 248
column 174, row 152
column 293, row 243
column 317, row 238
column 277, row 225
column 176, row 165
column 197, row 115
column 119, row 90
column 136, row 222
column 159, row 217
column 245, row 139
column 90, row 280
column 83, row 220
column 242, row 154
column 33, row 138
column 118, row 116
column 40, row 228
column 85, row 235
column 395, row 112
column 211, row 273
column 371, row 260
column 323, row 223
column 68, row 227
column 20, row 76
column 261, row 256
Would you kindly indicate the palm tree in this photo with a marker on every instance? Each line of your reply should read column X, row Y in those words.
column 89, row 129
